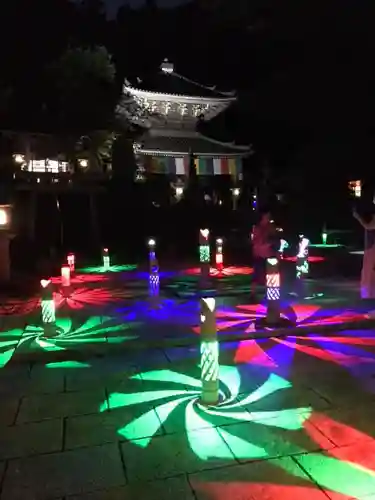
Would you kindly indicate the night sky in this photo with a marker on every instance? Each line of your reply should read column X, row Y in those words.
column 113, row 5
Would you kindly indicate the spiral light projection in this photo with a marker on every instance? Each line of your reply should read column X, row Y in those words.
column 17, row 307
column 83, row 297
column 233, row 406
column 93, row 331
column 112, row 269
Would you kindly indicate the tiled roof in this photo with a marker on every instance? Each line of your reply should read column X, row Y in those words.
column 185, row 145
column 172, row 83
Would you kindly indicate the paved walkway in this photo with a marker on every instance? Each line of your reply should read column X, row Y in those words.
column 296, row 417
column 296, row 421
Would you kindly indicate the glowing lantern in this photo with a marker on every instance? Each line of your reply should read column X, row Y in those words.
column 106, row 259
column 48, row 309
column 153, row 262
column 283, row 246
column 356, row 188
column 204, row 253
column 65, row 276
column 235, row 195
column 302, row 260
column 209, row 352
column 18, row 158
column 273, row 291
column 219, row 255
column 71, row 259
column 154, row 289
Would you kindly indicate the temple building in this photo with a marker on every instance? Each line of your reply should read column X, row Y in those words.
column 169, row 108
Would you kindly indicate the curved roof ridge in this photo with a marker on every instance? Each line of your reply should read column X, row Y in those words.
column 232, row 93
column 225, row 98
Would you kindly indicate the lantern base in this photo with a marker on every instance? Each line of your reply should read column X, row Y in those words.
column 49, row 330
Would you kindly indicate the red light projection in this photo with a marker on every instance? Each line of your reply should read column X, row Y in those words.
column 251, row 491
column 86, row 297
column 18, row 307
column 312, row 258
column 82, row 278
column 227, row 271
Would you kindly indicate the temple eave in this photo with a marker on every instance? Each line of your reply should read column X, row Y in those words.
column 157, row 96
column 152, row 152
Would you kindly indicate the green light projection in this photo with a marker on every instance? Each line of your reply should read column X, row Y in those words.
column 110, row 269
column 233, row 405
column 93, row 330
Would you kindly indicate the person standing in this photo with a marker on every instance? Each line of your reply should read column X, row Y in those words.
column 263, row 241
column 368, row 265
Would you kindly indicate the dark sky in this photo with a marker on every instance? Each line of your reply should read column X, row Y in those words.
column 113, row 5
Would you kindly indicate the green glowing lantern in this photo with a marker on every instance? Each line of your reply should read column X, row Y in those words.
column 204, row 253
column 209, row 352
column 48, row 309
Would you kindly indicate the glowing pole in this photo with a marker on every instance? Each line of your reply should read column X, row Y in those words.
column 283, row 246
column 235, row 195
column 153, row 262
column 106, row 259
column 209, row 352
column 204, row 253
column 302, row 260
column 219, row 255
column 65, row 279
column 48, row 309
column 273, row 291
column 71, row 259
column 154, row 288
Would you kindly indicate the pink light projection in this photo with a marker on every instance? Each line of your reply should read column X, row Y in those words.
column 86, row 297
column 227, row 271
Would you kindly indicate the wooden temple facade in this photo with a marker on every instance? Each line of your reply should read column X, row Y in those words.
column 169, row 108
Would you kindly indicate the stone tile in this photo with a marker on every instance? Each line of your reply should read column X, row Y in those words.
column 171, row 455
column 101, row 373
column 346, row 426
column 342, row 394
column 105, row 427
column 293, row 397
column 347, row 470
column 2, row 470
column 267, row 480
column 61, row 474
column 166, row 489
column 45, row 381
column 30, row 439
column 8, row 409
column 44, row 406
column 267, row 441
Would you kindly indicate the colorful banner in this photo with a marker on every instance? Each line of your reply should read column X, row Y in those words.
column 204, row 166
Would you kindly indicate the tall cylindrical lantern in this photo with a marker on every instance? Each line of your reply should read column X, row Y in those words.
column 153, row 262
column 71, row 260
column 219, row 255
column 273, row 290
column 302, row 258
column 204, row 252
column 209, row 352
column 154, row 289
column 48, row 309
column 106, row 259
column 65, row 278
column 235, row 196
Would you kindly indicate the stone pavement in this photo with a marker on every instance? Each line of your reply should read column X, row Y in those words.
column 296, row 422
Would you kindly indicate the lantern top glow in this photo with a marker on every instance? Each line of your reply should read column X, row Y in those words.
column 44, row 283
column 219, row 241
column 179, row 191
column 236, row 192
column 151, row 243
column 105, row 250
column 205, row 233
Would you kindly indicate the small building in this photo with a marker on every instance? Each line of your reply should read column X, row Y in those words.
column 169, row 107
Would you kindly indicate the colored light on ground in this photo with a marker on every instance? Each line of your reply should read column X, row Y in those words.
column 311, row 258
column 228, row 271
column 235, row 406
column 112, row 269
column 323, row 245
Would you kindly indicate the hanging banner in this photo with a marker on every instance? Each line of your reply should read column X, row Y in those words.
column 204, row 166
